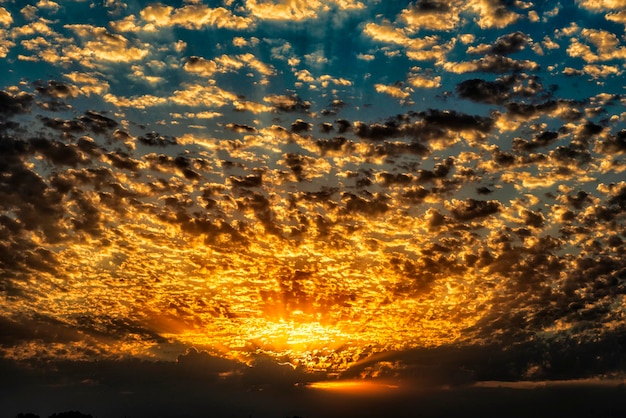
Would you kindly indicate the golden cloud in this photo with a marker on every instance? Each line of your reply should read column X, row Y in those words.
column 5, row 17
column 194, row 16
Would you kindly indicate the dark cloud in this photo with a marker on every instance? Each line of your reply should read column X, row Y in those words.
column 326, row 127
column 58, row 153
column 343, row 125
column 155, row 139
column 457, row 121
column 484, row 91
column 392, row 149
column 298, row 164
column 335, row 144
column 415, row 195
column 288, row 103
column 533, row 219
column 389, row 179
column 508, row 44
column 431, row 6
column 69, row 126
column 369, row 204
column 499, row 64
column 542, row 139
column 12, row 104
column 301, row 126
column 56, row 89
column 241, row 128
column 501, row 90
column 376, row 131
column 527, row 110
column 251, row 180
column 123, row 160
column 469, row 209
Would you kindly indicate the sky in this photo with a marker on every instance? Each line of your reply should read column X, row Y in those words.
column 312, row 208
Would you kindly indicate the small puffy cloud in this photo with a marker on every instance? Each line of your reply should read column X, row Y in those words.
column 316, row 58
column 287, row 103
column 254, row 63
column 424, row 81
column 89, row 83
column 490, row 64
column 225, row 63
column 140, row 102
column 617, row 17
column 5, row 17
column 435, row 15
column 100, row 44
column 197, row 94
column 470, row 209
column 427, row 48
column 493, row 13
column 499, row 90
column 297, row 10
column 240, row 41
column 607, row 46
column 48, row 4
column 253, row 107
column 390, row 34
column 504, row 45
column 602, row 71
column 365, row 57
column 397, row 91
column 57, row 90
column 549, row 43
column 29, row 12
column 201, row 66
column 603, row 5
column 194, row 16
column 12, row 104
column 293, row 10
column 127, row 24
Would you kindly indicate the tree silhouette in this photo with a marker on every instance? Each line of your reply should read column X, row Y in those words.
column 27, row 415
column 70, row 414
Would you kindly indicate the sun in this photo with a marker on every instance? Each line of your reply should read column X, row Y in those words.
column 355, row 387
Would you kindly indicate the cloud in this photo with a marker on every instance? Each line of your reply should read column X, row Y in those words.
column 471, row 209
column 5, row 17
column 226, row 63
column 432, row 15
column 501, row 90
column 606, row 44
column 504, row 45
column 490, row 64
column 388, row 33
column 57, row 90
column 602, row 71
column 424, row 81
column 89, row 83
column 193, row 16
column 602, row 5
column 298, row 10
column 287, row 103
column 13, row 104
column 395, row 91
column 493, row 13
column 201, row 66
column 100, row 44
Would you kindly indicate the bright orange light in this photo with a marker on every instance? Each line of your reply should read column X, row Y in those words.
column 353, row 386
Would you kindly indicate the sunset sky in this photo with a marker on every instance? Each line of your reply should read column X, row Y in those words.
column 303, row 199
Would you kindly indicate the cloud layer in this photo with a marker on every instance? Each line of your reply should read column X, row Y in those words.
column 316, row 182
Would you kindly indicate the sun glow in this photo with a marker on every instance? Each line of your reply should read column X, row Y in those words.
column 355, row 387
